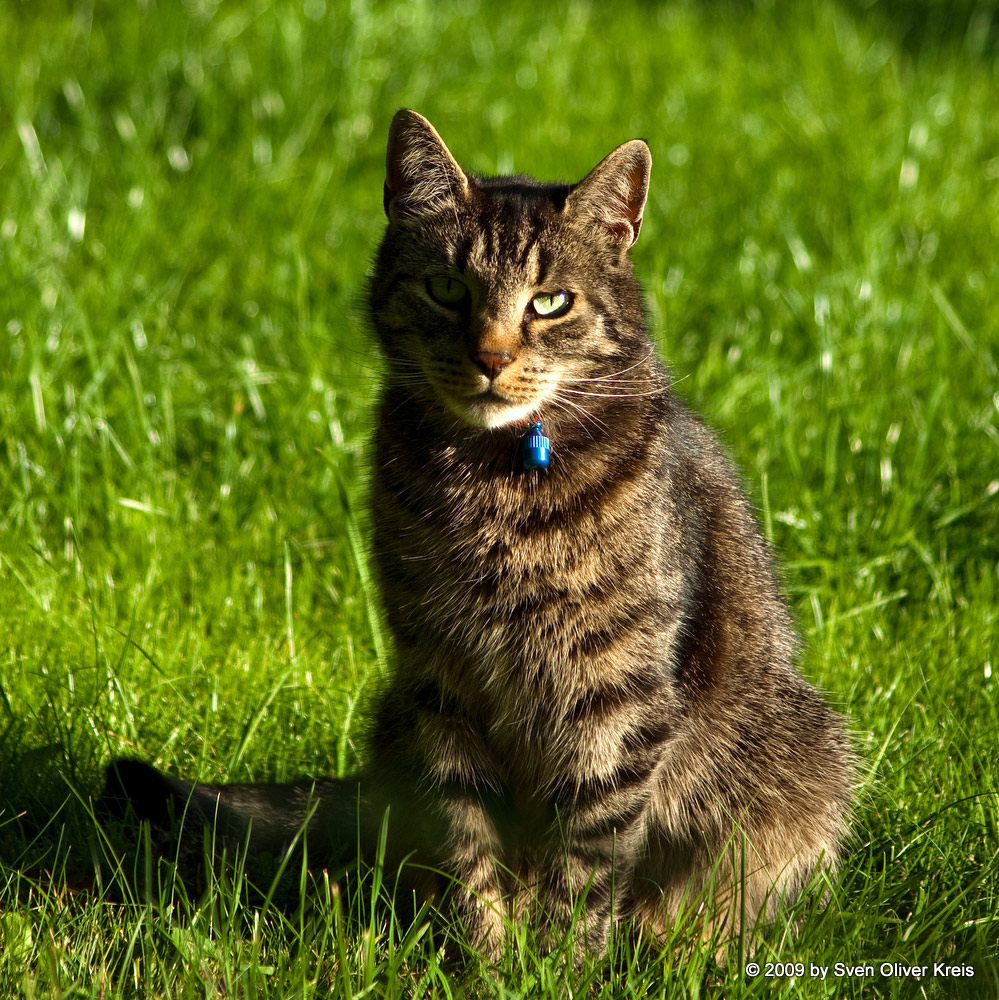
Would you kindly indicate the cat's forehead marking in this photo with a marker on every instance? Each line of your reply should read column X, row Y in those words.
column 503, row 242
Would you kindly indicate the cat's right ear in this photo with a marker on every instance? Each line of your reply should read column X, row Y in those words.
column 612, row 195
column 421, row 176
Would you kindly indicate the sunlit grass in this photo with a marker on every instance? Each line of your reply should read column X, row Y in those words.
column 189, row 194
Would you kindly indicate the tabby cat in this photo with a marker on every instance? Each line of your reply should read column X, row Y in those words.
column 595, row 694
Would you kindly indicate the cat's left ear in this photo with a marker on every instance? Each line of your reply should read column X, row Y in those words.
column 613, row 193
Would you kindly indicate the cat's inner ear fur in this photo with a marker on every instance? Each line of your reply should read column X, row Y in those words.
column 613, row 193
column 421, row 176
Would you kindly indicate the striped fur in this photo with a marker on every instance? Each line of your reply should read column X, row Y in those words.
column 595, row 692
column 600, row 647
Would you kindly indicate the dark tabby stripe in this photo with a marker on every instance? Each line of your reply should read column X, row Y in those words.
column 633, row 689
column 616, row 822
column 598, row 641
column 630, row 774
column 649, row 735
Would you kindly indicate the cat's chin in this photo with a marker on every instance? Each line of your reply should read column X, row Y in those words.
column 491, row 412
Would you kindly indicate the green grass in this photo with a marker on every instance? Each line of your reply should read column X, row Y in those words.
column 189, row 194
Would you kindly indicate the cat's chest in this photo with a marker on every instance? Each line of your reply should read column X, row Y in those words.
column 499, row 548
column 498, row 565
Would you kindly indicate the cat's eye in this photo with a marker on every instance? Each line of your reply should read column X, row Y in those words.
column 548, row 305
column 447, row 291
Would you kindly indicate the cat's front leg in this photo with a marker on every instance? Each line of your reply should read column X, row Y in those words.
column 425, row 736
column 590, row 871
column 603, row 803
column 471, row 851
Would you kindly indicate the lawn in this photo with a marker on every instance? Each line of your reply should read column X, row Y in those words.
column 189, row 196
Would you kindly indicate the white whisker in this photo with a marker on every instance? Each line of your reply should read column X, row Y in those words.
column 617, row 395
column 577, row 410
column 612, row 375
column 615, row 381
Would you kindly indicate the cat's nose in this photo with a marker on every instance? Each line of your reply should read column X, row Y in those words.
column 491, row 363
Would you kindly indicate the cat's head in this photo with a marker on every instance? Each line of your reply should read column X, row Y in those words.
column 503, row 299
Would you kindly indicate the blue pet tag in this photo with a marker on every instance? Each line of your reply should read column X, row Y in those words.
column 536, row 448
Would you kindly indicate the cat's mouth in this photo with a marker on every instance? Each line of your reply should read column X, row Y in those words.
column 491, row 397
column 486, row 403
